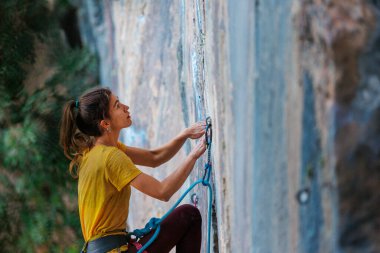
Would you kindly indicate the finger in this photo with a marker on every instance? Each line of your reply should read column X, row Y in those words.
column 201, row 143
column 202, row 127
column 198, row 125
column 200, row 132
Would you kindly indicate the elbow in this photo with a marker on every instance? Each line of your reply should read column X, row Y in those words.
column 165, row 199
column 165, row 196
column 154, row 161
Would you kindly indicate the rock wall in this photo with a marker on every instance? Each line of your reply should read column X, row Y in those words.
column 339, row 55
column 292, row 88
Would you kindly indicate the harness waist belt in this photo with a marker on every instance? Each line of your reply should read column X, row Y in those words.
column 106, row 243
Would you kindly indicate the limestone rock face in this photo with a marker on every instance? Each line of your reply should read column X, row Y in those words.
column 292, row 89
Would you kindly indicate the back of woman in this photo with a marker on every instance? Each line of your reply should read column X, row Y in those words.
column 104, row 190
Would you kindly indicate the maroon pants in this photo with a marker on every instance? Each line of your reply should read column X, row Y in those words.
column 181, row 229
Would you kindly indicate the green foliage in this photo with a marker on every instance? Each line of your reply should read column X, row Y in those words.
column 21, row 23
column 38, row 205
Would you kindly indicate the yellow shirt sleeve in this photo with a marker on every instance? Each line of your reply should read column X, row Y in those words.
column 120, row 170
column 121, row 146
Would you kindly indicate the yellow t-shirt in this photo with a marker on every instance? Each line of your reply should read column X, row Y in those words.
column 104, row 191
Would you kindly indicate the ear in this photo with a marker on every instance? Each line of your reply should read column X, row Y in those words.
column 104, row 124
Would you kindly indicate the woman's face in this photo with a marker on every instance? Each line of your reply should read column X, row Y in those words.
column 120, row 116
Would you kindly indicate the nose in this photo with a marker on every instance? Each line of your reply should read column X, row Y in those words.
column 126, row 107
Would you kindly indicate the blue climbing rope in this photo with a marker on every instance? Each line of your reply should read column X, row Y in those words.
column 155, row 223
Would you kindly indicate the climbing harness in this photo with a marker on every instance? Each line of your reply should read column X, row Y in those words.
column 155, row 223
column 138, row 246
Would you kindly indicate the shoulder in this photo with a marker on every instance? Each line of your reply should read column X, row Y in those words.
column 120, row 169
column 121, row 146
column 115, row 155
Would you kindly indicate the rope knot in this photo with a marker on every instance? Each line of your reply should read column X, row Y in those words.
column 152, row 224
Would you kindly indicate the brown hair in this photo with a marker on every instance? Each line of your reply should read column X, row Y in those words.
column 80, row 123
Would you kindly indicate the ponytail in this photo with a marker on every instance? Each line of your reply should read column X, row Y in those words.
column 72, row 140
column 80, row 124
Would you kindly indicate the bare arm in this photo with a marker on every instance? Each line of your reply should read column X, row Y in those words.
column 156, row 157
column 165, row 189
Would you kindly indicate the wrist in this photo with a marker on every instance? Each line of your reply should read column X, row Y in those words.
column 192, row 157
column 184, row 134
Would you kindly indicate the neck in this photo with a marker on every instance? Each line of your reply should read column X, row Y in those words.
column 108, row 139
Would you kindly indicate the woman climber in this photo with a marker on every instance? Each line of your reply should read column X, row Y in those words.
column 106, row 170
